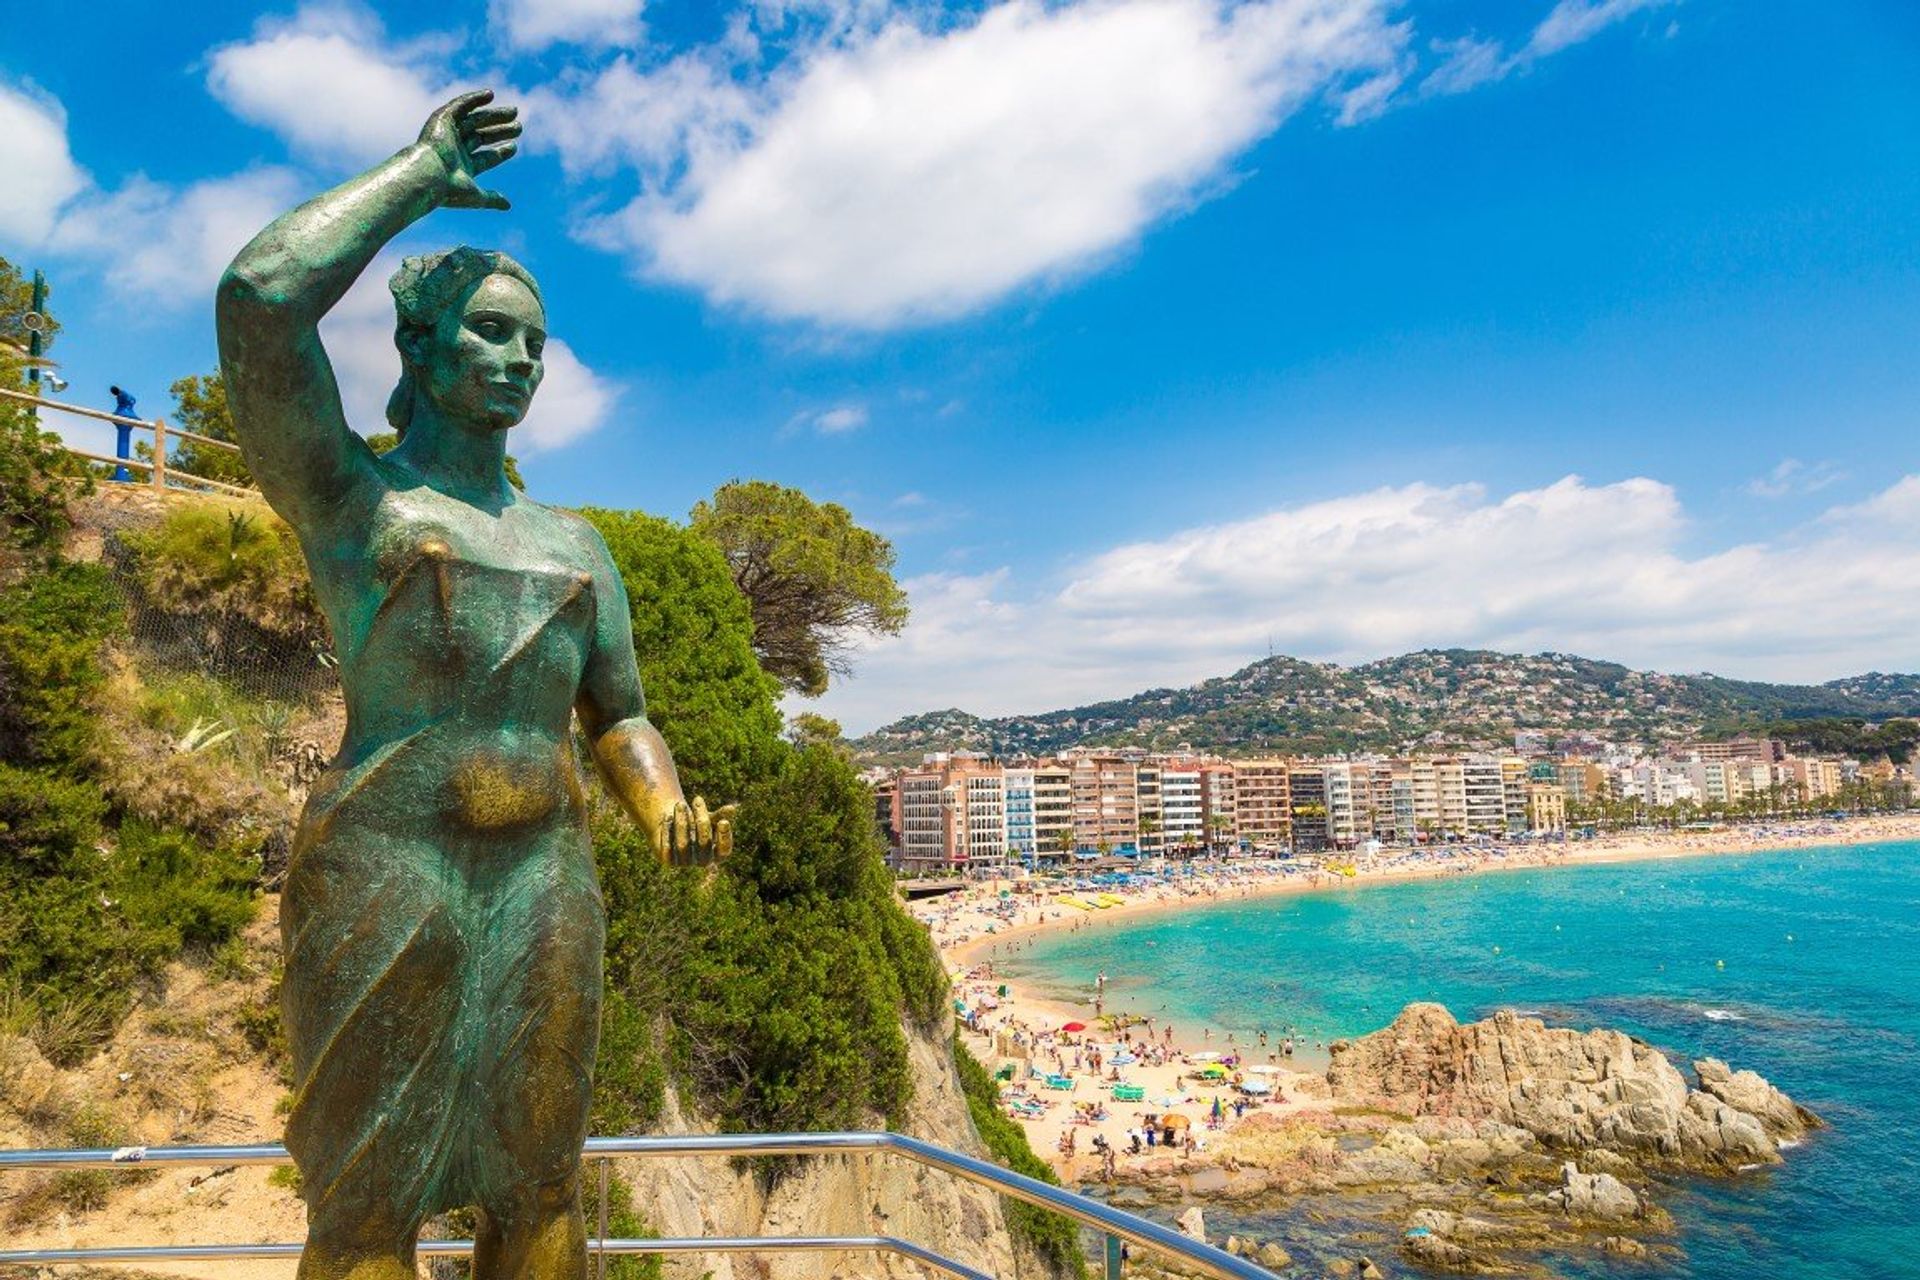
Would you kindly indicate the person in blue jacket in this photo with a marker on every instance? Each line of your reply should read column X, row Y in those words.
column 123, row 442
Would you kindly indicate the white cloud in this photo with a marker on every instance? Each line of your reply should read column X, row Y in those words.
column 532, row 25
column 328, row 81
column 1791, row 475
column 650, row 121
column 40, row 172
column 899, row 175
column 167, row 246
column 1465, row 63
column 1572, row 21
column 573, row 399
column 161, row 245
column 839, row 421
column 1469, row 62
column 1600, row 570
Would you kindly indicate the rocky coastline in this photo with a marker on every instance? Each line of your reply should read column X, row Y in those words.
column 1478, row 1147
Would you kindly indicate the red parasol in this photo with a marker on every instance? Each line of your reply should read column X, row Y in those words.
column 1075, row 1026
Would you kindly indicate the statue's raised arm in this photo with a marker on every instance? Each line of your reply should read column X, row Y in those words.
column 286, row 404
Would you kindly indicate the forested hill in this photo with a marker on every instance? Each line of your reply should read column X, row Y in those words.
column 1452, row 697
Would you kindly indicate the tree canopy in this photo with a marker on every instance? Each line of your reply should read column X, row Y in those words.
column 693, row 637
column 200, row 406
column 814, row 580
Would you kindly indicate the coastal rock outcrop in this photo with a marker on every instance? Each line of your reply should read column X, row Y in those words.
column 1591, row 1195
column 1572, row 1090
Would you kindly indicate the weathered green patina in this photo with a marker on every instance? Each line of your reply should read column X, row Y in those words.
column 441, row 920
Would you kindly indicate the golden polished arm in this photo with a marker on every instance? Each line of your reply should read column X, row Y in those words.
column 634, row 760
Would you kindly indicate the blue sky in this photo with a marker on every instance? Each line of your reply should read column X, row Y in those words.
column 1154, row 333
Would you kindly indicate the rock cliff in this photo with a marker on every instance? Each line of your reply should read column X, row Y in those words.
column 1571, row 1090
column 1482, row 1146
column 840, row 1195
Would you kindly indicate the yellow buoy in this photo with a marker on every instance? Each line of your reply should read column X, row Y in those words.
column 1719, row 964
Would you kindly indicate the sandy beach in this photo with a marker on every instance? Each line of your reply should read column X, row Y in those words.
column 1087, row 1070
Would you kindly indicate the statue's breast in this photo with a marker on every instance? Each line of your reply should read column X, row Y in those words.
column 470, row 616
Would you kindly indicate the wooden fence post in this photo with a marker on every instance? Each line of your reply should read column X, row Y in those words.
column 159, row 453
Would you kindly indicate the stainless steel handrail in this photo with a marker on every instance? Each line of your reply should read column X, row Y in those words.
column 1114, row 1223
column 464, row 1248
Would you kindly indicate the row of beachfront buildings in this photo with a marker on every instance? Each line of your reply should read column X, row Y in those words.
column 959, row 809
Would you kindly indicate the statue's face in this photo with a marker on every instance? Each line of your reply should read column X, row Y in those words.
column 481, row 364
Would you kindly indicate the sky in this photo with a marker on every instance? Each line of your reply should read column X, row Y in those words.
column 1157, row 335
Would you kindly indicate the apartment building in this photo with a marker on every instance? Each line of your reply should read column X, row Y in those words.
column 1546, row 808
column 1483, row 781
column 926, row 843
column 1262, row 804
column 1182, row 806
column 1052, row 810
column 1150, row 824
column 1583, row 780
column 1022, row 837
column 1450, row 796
column 1307, row 789
column 951, row 813
column 1734, row 750
column 1106, row 803
column 1515, row 777
column 1219, row 796
column 1814, row 779
column 1348, row 796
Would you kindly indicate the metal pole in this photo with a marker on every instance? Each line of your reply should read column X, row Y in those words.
column 159, row 453
column 600, row 1245
column 35, row 343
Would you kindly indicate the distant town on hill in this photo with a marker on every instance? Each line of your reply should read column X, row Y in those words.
column 1433, row 698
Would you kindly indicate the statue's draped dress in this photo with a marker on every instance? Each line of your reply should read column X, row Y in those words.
column 441, row 919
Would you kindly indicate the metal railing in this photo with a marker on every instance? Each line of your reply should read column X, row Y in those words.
column 1114, row 1225
column 157, row 470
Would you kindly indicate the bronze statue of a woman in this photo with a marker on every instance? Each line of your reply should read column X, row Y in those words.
column 441, row 920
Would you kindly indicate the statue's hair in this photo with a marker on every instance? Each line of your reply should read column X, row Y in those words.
column 423, row 288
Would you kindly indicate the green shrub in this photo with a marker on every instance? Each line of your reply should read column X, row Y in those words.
column 1051, row 1235
column 622, row 1224
column 222, row 587
column 87, row 918
column 776, row 986
column 52, row 626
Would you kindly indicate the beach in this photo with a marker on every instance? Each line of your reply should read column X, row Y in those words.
column 1196, row 1072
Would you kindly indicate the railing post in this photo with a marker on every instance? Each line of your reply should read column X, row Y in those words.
column 159, row 453
column 600, row 1245
column 1113, row 1257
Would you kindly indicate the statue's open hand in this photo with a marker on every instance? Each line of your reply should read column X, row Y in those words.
column 689, row 835
column 470, row 138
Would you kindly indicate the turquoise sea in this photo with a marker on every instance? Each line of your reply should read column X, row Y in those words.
column 1803, row 965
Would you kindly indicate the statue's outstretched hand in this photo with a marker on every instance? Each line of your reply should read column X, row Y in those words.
column 470, row 138
column 686, row 835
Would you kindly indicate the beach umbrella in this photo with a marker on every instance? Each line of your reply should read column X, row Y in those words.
column 1075, row 1026
column 1256, row 1086
column 1175, row 1121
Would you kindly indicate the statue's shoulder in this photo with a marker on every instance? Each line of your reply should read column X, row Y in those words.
column 576, row 527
